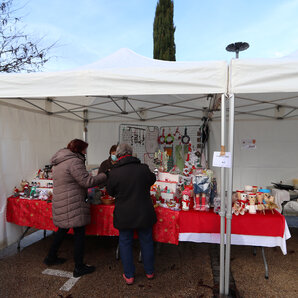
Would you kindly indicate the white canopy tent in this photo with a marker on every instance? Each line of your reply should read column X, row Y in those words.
column 128, row 87
column 108, row 88
column 41, row 112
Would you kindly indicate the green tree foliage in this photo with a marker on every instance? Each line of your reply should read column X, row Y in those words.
column 18, row 51
column 163, row 31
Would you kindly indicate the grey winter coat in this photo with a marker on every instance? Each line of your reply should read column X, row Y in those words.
column 71, row 181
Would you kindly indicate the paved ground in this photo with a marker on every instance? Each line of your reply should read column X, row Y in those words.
column 183, row 271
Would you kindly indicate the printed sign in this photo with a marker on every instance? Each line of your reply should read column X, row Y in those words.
column 248, row 144
column 222, row 161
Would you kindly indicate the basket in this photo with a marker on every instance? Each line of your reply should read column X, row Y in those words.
column 107, row 200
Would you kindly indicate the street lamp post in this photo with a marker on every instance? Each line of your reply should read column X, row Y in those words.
column 237, row 47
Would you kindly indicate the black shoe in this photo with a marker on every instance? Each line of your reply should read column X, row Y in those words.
column 82, row 270
column 54, row 261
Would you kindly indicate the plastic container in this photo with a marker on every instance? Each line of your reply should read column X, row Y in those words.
column 264, row 190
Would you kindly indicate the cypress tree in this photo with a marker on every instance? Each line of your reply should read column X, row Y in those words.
column 163, row 31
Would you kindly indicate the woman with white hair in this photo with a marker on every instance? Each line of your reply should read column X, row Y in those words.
column 129, row 182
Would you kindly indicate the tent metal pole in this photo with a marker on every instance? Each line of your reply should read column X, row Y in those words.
column 85, row 132
column 229, row 195
column 222, row 202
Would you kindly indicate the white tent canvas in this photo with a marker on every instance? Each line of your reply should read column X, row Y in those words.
column 124, row 86
column 266, row 109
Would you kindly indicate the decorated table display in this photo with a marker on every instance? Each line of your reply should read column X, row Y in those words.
column 186, row 204
column 38, row 214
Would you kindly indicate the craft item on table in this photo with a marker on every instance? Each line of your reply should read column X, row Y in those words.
column 151, row 140
column 27, row 190
column 251, row 207
column 42, row 183
column 169, row 139
column 47, row 171
column 175, row 170
column 166, row 191
column 213, row 192
column 270, row 203
column 254, row 189
column 33, row 192
column 23, row 184
column 16, row 192
column 177, row 135
column 201, row 184
column 216, row 203
column 239, row 207
column 186, row 138
column 161, row 138
column 191, row 163
column 236, row 208
column 43, row 195
column 248, row 188
column 161, row 160
column 244, row 196
column 201, row 202
column 260, row 203
column 239, row 192
column 186, row 195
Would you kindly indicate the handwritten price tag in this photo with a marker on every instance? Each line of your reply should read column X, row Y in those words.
column 222, row 161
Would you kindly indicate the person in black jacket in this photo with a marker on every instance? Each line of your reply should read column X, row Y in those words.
column 129, row 182
column 108, row 164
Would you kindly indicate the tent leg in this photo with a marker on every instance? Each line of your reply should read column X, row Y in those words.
column 23, row 235
column 222, row 204
column 265, row 263
column 229, row 196
column 254, row 252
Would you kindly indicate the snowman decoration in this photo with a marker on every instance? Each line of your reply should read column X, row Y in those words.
column 186, row 195
column 252, row 208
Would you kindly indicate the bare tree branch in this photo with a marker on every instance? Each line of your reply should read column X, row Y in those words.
column 19, row 52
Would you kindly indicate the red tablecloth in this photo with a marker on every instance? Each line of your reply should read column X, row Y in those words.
column 248, row 224
column 38, row 214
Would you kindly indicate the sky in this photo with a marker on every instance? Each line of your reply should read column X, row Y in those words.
column 87, row 30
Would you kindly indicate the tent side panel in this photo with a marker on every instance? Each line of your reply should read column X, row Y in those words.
column 273, row 160
column 28, row 140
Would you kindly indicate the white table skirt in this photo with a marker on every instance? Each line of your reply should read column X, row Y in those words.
column 267, row 241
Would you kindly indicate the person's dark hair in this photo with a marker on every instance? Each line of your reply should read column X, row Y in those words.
column 77, row 145
column 113, row 149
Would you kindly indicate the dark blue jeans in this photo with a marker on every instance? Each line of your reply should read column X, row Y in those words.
column 126, row 253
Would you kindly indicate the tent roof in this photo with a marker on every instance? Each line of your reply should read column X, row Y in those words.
column 120, row 83
column 122, row 73
column 265, row 88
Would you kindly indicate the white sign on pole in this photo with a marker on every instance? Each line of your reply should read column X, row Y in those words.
column 222, row 161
